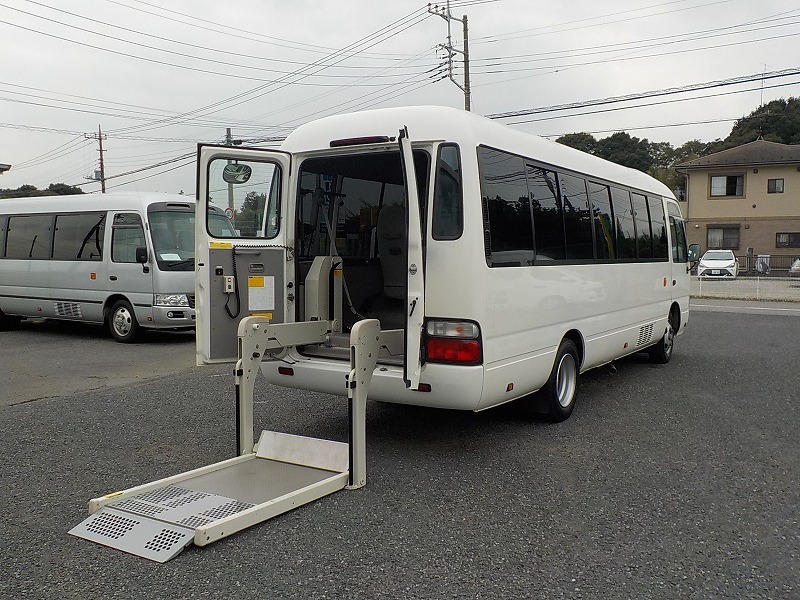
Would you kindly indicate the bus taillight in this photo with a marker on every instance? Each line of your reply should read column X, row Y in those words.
column 455, row 342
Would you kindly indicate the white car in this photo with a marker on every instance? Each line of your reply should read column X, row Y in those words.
column 718, row 263
column 795, row 268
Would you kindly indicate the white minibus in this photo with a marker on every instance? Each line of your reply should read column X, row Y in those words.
column 498, row 263
column 124, row 259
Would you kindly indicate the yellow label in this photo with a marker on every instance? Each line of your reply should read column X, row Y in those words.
column 255, row 281
column 220, row 245
column 267, row 315
column 114, row 494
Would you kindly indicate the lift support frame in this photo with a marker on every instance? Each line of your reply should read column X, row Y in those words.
column 281, row 472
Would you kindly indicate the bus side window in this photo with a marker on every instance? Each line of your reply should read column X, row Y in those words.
column 678, row 230
column 604, row 235
column 448, row 203
column 623, row 218
column 508, row 230
column 127, row 234
column 29, row 236
column 658, row 226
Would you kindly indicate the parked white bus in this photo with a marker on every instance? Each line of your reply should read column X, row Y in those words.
column 498, row 263
column 124, row 259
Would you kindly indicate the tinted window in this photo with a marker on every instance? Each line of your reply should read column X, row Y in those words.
column 643, row 237
column 28, row 236
column 679, row 249
column 624, row 227
column 126, row 235
column 345, row 194
column 604, row 236
column 658, row 226
column 447, row 222
column 577, row 219
column 79, row 236
column 548, row 226
column 507, row 211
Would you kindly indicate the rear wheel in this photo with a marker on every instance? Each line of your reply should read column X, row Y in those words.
column 122, row 324
column 661, row 353
column 561, row 390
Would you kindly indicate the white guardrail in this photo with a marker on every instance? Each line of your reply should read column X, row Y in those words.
column 747, row 288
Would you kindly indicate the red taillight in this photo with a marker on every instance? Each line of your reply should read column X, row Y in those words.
column 453, row 350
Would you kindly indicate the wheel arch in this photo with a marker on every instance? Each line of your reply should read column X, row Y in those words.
column 576, row 338
column 111, row 301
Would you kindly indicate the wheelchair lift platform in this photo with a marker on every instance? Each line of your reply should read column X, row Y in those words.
column 281, row 472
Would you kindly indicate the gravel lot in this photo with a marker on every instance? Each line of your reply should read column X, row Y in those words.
column 677, row 481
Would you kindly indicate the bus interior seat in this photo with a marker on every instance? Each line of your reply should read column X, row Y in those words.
column 388, row 306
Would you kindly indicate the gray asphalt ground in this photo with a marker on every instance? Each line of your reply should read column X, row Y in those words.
column 676, row 481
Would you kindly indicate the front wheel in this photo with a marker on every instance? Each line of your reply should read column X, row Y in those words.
column 7, row 323
column 661, row 353
column 561, row 389
column 122, row 324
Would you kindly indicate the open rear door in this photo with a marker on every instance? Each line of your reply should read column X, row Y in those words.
column 241, row 244
column 415, row 276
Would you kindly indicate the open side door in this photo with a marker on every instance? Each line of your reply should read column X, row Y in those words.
column 415, row 276
column 242, row 245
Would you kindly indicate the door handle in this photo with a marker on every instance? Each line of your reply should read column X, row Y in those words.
column 112, row 277
column 674, row 282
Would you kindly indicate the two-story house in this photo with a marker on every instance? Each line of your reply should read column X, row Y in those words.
column 746, row 199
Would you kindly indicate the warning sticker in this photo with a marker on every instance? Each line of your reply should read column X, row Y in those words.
column 261, row 292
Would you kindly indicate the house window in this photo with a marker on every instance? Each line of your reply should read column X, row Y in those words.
column 787, row 240
column 774, row 186
column 727, row 185
column 723, row 236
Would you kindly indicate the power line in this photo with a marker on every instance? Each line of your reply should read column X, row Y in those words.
column 649, row 94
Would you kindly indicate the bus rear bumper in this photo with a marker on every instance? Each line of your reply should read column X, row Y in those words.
column 452, row 387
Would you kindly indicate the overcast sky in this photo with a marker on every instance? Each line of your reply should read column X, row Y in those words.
column 158, row 77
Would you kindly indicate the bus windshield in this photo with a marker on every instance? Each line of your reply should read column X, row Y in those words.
column 173, row 239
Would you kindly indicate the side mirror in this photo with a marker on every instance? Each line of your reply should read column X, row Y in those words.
column 694, row 256
column 141, row 258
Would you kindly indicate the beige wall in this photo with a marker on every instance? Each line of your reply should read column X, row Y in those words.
column 758, row 224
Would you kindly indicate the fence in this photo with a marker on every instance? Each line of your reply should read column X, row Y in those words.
column 747, row 288
column 776, row 264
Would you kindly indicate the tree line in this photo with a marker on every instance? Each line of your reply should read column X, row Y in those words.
column 29, row 191
column 777, row 121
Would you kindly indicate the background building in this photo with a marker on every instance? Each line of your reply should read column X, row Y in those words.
column 746, row 199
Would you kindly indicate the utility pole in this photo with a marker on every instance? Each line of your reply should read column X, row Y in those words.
column 445, row 13
column 99, row 137
column 229, row 142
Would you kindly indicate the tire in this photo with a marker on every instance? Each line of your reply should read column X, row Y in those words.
column 7, row 323
column 122, row 324
column 661, row 353
column 561, row 390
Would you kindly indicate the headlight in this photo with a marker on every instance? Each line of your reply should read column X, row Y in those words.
column 171, row 300
column 730, row 266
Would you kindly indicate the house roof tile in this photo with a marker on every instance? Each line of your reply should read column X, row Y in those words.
column 759, row 152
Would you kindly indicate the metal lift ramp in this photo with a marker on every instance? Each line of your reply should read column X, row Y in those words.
column 281, row 472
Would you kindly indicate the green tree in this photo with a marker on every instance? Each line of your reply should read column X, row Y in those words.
column 776, row 121
column 62, row 189
column 248, row 217
column 584, row 142
column 625, row 150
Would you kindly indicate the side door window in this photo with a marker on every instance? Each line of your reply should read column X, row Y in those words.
column 678, row 230
column 127, row 234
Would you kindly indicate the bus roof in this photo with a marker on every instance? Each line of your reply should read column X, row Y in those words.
column 122, row 200
column 467, row 129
